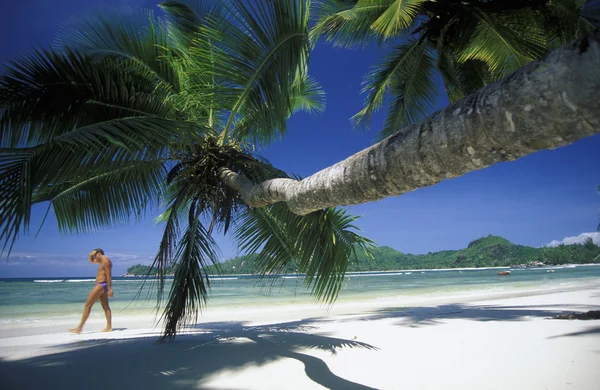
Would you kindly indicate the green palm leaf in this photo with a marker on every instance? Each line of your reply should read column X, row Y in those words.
column 348, row 23
column 563, row 21
column 461, row 78
column 321, row 244
column 15, row 195
column 450, row 73
column 503, row 42
column 305, row 94
column 407, row 75
column 48, row 95
column 195, row 252
column 399, row 16
column 475, row 74
column 105, row 196
column 268, row 41
column 88, row 191
column 176, row 204
column 187, row 16
column 134, row 35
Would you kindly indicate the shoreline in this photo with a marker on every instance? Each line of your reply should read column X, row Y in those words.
column 466, row 339
column 547, row 266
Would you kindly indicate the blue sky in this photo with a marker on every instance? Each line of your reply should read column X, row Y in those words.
column 532, row 201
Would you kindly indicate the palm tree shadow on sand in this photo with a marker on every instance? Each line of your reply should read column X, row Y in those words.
column 437, row 315
column 186, row 362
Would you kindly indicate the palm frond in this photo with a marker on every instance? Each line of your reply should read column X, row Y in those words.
column 133, row 35
column 474, row 75
column 202, row 93
column 412, row 94
column 321, row 244
column 15, row 195
column 407, row 75
column 349, row 23
column 87, row 191
column 270, row 43
column 449, row 71
column 177, row 203
column 47, row 94
column 189, row 292
column 400, row 15
column 305, row 94
column 106, row 195
column 503, row 42
column 462, row 78
column 184, row 18
column 188, row 16
column 561, row 21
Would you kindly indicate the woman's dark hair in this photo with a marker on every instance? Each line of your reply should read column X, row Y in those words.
column 99, row 250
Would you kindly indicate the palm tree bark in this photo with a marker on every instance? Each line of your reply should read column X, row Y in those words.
column 546, row 104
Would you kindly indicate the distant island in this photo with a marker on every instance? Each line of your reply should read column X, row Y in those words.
column 490, row 251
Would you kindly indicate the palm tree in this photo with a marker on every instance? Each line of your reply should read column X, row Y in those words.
column 469, row 43
column 133, row 113
column 544, row 105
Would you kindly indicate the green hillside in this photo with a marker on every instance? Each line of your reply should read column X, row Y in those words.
column 490, row 251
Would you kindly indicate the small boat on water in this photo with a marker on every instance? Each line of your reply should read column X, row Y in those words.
column 550, row 270
column 503, row 273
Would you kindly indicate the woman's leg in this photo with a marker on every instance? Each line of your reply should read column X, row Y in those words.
column 107, row 312
column 96, row 292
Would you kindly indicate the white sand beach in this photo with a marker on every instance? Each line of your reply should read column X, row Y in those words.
column 504, row 340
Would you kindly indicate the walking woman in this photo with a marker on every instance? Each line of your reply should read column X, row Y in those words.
column 102, row 290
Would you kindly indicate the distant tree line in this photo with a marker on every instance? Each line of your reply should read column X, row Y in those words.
column 143, row 270
column 490, row 251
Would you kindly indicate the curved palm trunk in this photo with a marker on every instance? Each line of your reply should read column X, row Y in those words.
column 544, row 105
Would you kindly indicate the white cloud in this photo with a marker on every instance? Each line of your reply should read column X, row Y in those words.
column 580, row 239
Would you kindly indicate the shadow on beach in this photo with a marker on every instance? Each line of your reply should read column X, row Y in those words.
column 435, row 315
column 193, row 357
column 182, row 363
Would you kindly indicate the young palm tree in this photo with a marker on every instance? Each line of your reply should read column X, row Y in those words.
column 131, row 112
column 470, row 43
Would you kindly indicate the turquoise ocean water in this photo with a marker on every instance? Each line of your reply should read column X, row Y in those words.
column 46, row 299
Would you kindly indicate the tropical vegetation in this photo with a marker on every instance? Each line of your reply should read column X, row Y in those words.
column 132, row 113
